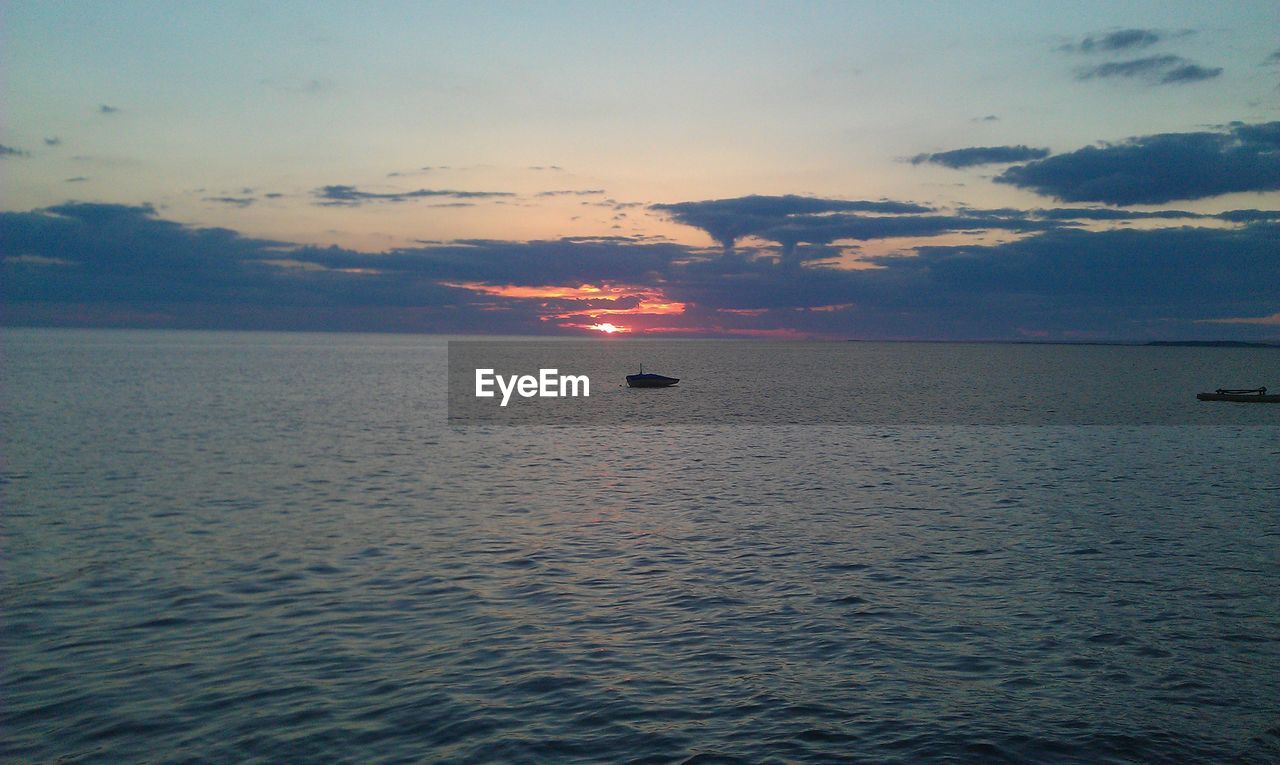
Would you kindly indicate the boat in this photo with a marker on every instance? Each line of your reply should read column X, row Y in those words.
column 650, row 380
column 1245, row 395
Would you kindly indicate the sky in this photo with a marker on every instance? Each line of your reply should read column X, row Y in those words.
column 1090, row 171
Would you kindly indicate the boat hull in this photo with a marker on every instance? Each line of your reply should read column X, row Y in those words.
column 1245, row 398
column 651, row 381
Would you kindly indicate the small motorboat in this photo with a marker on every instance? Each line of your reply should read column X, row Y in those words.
column 650, row 380
column 1246, row 395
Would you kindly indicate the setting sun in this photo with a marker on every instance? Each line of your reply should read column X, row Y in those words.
column 608, row 328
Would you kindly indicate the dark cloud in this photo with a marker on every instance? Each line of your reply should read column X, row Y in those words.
column 1159, row 168
column 791, row 221
column 1118, row 284
column 232, row 201
column 981, row 155
column 1102, row 213
column 1249, row 216
column 1190, row 73
column 1083, row 213
column 1092, row 279
column 1133, row 68
column 1119, row 40
column 833, row 228
column 113, row 258
column 105, row 109
column 53, row 141
column 988, row 118
column 9, row 151
column 77, row 179
column 94, row 263
column 728, row 220
column 1156, row 70
column 350, row 196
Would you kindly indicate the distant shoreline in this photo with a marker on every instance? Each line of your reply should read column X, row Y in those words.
column 649, row 338
column 1121, row 343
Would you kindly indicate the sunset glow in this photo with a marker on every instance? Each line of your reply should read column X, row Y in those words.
column 608, row 328
column 581, row 292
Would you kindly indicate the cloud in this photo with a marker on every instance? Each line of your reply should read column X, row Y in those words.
column 988, row 118
column 1248, row 216
column 727, row 220
column 1189, row 73
column 77, row 179
column 419, row 171
column 571, row 192
column 981, row 155
column 1119, row 40
column 9, row 151
column 1160, row 168
column 53, row 141
column 350, row 196
column 792, row 220
column 117, row 258
column 1090, row 279
column 1156, row 70
column 232, row 201
column 105, row 109
column 1102, row 213
column 111, row 264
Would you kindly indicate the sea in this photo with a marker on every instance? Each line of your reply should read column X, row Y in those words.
column 224, row 547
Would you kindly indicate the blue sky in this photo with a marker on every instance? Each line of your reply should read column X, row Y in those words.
column 502, row 167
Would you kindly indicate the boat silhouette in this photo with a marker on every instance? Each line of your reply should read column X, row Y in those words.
column 650, row 380
column 1242, row 395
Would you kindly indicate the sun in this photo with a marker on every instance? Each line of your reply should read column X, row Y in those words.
column 608, row 328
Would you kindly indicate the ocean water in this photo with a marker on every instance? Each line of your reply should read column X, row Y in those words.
column 257, row 547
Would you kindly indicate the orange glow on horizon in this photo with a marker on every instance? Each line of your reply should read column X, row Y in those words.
column 581, row 292
column 584, row 306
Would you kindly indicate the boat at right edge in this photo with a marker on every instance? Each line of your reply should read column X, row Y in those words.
column 1243, row 395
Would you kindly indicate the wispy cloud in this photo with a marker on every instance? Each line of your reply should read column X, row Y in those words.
column 571, row 193
column 1155, row 70
column 1119, row 40
column 350, row 196
column 981, row 155
column 53, row 141
column 232, row 201
column 9, row 151
column 108, row 110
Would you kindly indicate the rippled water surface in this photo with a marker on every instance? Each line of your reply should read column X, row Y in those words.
column 274, row 548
